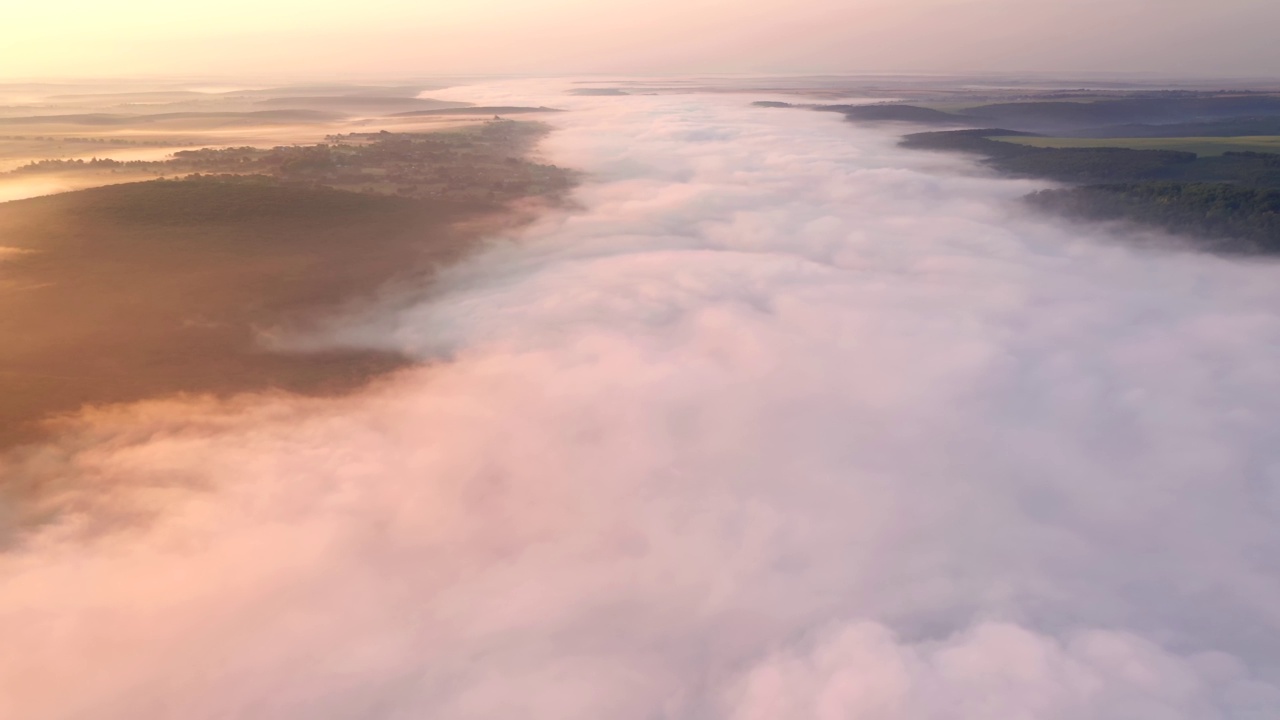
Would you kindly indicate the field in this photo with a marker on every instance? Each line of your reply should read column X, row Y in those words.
column 1207, row 146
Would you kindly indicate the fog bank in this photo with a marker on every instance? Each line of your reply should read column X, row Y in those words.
column 782, row 422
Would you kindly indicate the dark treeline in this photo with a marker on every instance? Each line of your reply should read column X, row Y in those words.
column 1232, row 199
column 1233, row 218
column 1045, row 116
column 1143, row 115
column 39, row 166
column 1232, row 127
column 1102, row 165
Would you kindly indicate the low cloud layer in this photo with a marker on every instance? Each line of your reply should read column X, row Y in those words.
column 784, row 422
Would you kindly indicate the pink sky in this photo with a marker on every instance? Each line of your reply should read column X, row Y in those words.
column 308, row 37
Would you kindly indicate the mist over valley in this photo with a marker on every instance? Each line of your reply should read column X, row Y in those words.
column 699, row 396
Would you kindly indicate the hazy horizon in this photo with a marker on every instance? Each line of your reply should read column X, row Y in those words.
column 297, row 38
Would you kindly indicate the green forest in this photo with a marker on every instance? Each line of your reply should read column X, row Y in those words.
column 1100, row 165
column 1229, row 202
column 1224, row 195
column 1231, row 217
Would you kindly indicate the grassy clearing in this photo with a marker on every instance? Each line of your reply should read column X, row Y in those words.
column 1205, row 146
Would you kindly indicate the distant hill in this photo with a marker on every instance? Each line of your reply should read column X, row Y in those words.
column 896, row 113
column 336, row 90
column 1229, row 200
column 124, row 119
column 482, row 110
column 153, row 96
column 598, row 91
column 1231, row 127
column 1057, row 116
column 1239, row 114
column 357, row 104
column 1100, row 165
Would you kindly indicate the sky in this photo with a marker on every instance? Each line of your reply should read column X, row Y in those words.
column 309, row 38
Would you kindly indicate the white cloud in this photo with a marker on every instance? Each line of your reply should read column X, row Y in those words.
column 996, row 670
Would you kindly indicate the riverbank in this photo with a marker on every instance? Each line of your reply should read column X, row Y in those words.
column 143, row 290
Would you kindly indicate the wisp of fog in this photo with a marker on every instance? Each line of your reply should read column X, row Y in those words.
column 780, row 422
